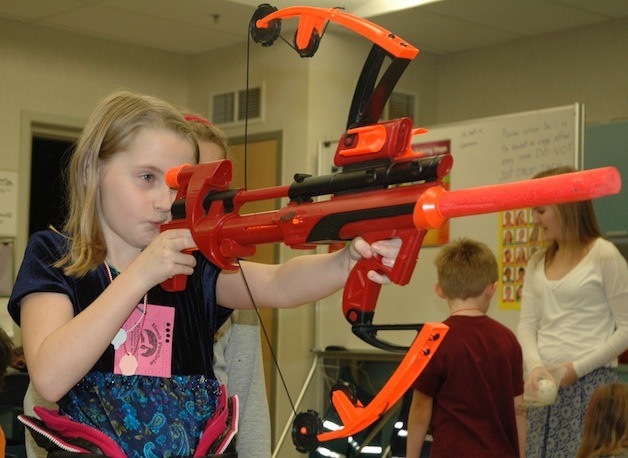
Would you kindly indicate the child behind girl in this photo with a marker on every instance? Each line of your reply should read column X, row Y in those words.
column 238, row 361
column 470, row 395
column 101, row 337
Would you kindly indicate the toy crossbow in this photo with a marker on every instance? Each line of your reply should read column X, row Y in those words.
column 385, row 190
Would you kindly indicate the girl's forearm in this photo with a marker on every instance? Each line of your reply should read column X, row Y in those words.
column 300, row 280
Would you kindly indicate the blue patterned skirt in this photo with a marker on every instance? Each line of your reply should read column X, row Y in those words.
column 147, row 416
column 556, row 430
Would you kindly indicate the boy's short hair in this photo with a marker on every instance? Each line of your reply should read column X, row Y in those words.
column 465, row 268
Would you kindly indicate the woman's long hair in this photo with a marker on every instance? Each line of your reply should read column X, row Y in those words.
column 578, row 223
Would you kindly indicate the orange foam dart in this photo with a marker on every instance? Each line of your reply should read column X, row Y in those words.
column 435, row 206
column 356, row 417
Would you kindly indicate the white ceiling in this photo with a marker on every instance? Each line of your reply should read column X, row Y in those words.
column 196, row 26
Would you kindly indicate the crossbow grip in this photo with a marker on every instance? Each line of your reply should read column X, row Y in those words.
column 176, row 283
column 360, row 293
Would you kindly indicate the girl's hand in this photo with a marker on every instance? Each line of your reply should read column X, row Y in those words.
column 570, row 376
column 386, row 249
column 538, row 373
column 166, row 257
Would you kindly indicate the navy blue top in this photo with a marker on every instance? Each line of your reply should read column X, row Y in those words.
column 125, row 407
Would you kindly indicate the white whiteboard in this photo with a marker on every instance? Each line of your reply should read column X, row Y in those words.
column 486, row 151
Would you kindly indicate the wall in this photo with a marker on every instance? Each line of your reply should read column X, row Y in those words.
column 60, row 77
column 587, row 65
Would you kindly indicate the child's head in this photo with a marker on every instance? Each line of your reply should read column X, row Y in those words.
column 606, row 422
column 112, row 128
column 465, row 269
column 6, row 354
column 212, row 142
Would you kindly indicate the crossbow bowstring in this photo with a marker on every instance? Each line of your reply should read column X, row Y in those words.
column 246, row 123
column 307, row 427
column 308, row 422
column 249, row 292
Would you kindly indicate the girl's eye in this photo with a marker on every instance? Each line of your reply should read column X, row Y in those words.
column 147, row 177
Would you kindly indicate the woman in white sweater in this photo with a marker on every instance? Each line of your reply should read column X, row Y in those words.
column 574, row 314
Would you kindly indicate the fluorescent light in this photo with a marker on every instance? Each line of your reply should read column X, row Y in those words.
column 380, row 7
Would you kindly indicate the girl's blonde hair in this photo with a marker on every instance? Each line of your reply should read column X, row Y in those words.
column 465, row 268
column 579, row 226
column 605, row 424
column 112, row 128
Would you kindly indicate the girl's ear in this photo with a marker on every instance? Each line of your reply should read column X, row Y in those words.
column 439, row 291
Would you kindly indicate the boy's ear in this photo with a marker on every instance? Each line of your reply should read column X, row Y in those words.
column 490, row 289
column 439, row 291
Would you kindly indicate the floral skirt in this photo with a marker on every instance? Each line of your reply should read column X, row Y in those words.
column 556, row 430
column 146, row 416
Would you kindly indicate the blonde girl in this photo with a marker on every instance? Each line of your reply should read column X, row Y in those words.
column 119, row 354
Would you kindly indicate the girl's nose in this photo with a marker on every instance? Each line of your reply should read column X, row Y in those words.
column 164, row 200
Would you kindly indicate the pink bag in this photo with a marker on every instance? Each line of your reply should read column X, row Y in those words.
column 69, row 435
column 221, row 428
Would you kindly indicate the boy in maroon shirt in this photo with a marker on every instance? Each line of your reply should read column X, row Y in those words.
column 470, row 395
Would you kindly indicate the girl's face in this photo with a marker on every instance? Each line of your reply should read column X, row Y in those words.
column 548, row 222
column 134, row 199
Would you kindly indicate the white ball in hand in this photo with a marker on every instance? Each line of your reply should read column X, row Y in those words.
column 547, row 391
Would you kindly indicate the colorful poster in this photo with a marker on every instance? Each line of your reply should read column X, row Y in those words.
column 519, row 239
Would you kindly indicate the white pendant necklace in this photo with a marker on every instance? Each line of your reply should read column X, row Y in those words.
column 128, row 363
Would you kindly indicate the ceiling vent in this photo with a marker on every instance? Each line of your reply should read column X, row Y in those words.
column 400, row 105
column 231, row 107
